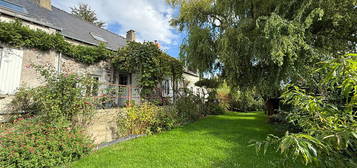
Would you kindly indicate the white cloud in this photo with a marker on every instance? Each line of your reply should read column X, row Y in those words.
column 149, row 18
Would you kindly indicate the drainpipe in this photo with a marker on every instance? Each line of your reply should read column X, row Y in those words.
column 59, row 63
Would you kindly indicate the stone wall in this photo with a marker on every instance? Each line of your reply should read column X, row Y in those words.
column 4, row 105
column 103, row 126
column 29, row 77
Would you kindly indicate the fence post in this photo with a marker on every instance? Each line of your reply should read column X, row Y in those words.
column 129, row 95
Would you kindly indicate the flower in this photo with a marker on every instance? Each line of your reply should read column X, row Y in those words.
column 28, row 66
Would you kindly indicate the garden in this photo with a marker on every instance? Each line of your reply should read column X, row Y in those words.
column 281, row 78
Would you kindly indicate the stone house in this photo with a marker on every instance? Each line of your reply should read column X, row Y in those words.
column 40, row 14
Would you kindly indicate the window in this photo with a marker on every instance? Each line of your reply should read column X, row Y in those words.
column 124, row 79
column 97, row 37
column 166, row 86
column 13, row 7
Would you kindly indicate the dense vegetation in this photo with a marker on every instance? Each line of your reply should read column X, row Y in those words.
column 48, row 134
column 149, row 62
column 326, row 117
column 291, row 54
column 32, row 143
column 15, row 34
column 264, row 43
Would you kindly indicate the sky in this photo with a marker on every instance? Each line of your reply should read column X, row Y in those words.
column 149, row 18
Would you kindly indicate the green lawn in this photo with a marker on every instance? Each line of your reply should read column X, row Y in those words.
column 216, row 141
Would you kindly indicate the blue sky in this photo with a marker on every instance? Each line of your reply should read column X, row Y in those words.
column 149, row 18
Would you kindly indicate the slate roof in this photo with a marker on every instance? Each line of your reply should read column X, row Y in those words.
column 69, row 25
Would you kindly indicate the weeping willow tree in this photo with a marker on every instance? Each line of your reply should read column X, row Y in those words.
column 264, row 44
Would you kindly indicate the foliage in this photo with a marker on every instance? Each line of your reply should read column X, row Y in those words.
column 146, row 59
column 208, row 83
column 33, row 144
column 138, row 119
column 166, row 119
column 16, row 34
column 150, row 62
column 190, row 107
column 264, row 43
column 327, row 117
column 245, row 100
column 212, row 106
column 86, row 13
column 148, row 118
column 62, row 98
column 239, row 100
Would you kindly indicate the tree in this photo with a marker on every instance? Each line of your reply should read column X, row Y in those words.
column 86, row 13
column 265, row 44
column 327, row 119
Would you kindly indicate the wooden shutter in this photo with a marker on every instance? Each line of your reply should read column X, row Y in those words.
column 10, row 70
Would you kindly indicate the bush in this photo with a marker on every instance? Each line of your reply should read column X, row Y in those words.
column 147, row 118
column 166, row 119
column 64, row 97
column 190, row 107
column 138, row 119
column 245, row 101
column 31, row 143
column 325, row 113
column 214, row 106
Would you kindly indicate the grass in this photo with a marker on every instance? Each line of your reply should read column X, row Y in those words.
column 216, row 141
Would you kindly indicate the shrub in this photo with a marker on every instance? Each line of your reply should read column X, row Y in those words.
column 213, row 106
column 32, row 143
column 147, row 118
column 245, row 101
column 166, row 119
column 190, row 107
column 326, row 117
column 62, row 98
column 138, row 119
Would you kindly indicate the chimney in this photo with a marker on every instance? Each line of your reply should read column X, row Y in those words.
column 130, row 35
column 44, row 4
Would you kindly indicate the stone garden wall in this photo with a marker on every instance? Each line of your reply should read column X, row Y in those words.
column 103, row 126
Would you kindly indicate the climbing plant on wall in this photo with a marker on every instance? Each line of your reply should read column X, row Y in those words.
column 15, row 34
column 146, row 58
column 149, row 61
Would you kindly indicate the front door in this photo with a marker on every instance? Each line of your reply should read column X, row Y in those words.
column 124, row 88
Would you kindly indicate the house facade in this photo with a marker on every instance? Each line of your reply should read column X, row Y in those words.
column 41, row 15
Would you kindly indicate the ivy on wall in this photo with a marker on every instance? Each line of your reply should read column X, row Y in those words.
column 149, row 61
column 144, row 58
column 17, row 35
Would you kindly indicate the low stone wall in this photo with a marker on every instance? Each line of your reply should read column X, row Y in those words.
column 4, row 111
column 103, row 126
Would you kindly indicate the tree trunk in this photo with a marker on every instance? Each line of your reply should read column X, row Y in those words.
column 272, row 106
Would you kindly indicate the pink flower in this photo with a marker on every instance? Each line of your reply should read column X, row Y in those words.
column 28, row 66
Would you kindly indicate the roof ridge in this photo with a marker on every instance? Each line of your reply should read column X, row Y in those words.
column 88, row 22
